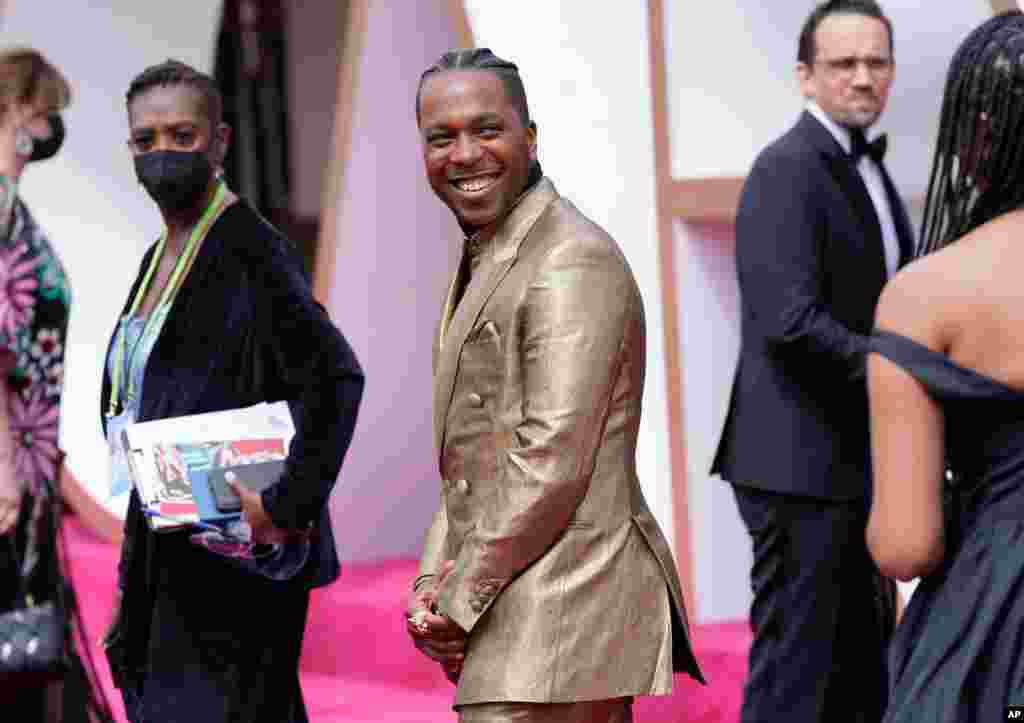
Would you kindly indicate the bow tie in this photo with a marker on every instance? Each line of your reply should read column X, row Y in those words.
column 859, row 146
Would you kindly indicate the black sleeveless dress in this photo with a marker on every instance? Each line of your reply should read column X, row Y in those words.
column 957, row 653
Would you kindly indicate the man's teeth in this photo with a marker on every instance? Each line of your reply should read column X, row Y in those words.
column 474, row 184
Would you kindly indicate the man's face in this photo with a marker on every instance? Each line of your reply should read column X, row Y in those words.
column 476, row 150
column 852, row 70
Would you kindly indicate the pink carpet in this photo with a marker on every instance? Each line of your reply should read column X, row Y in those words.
column 358, row 665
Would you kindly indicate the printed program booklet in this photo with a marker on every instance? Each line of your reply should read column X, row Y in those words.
column 168, row 456
column 205, row 464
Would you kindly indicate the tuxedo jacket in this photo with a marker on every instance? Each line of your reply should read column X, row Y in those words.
column 811, row 266
column 562, row 577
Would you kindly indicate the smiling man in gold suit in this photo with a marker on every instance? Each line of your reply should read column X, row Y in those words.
column 547, row 590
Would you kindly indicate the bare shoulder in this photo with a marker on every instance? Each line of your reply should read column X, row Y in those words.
column 910, row 302
column 932, row 297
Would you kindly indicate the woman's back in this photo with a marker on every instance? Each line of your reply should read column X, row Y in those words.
column 954, row 322
column 976, row 288
column 946, row 384
column 964, row 307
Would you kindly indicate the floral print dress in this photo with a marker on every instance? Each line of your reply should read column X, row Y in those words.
column 34, row 303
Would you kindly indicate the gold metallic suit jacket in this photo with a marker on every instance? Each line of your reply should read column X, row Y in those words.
column 562, row 577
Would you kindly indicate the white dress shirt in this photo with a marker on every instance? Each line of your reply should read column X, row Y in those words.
column 872, row 176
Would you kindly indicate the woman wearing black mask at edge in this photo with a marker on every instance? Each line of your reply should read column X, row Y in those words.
column 34, row 307
column 220, row 317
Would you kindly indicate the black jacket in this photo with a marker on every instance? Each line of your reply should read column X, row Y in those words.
column 243, row 329
column 811, row 266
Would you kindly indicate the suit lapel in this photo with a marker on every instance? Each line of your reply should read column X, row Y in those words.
column 458, row 281
column 463, row 314
column 852, row 185
column 477, row 293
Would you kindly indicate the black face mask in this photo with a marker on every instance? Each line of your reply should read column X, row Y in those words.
column 43, row 148
column 176, row 180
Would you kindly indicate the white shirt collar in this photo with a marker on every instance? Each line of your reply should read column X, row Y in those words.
column 841, row 134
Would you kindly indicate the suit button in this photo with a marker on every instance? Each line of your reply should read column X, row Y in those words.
column 463, row 486
column 475, row 399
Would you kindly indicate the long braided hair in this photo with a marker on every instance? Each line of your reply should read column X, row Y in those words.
column 978, row 168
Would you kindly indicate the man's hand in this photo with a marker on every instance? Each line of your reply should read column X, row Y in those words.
column 435, row 635
column 263, row 528
column 10, row 506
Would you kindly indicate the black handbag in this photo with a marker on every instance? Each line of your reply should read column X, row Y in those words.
column 34, row 634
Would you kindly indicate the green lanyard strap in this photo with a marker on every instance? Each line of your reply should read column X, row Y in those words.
column 170, row 290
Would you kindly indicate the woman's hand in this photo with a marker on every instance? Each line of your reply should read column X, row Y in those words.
column 11, row 489
column 263, row 528
column 10, row 507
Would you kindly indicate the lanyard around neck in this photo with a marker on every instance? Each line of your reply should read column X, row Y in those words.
column 167, row 295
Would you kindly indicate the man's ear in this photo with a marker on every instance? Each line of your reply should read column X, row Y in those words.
column 531, row 135
column 805, row 78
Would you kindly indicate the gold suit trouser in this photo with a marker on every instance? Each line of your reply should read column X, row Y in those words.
column 616, row 710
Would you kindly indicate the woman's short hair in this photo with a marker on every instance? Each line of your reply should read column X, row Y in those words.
column 174, row 72
column 978, row 168
column 27, row 77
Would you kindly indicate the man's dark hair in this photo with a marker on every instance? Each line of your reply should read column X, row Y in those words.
column 807, row 48
column 978, row 168
column 481, row 59
column 175, row 72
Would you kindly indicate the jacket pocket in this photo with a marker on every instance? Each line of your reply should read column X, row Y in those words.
column 485, row 332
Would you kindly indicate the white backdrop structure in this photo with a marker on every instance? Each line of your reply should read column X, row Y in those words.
column 397, row 246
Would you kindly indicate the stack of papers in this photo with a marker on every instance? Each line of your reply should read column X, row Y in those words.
column 170, row 458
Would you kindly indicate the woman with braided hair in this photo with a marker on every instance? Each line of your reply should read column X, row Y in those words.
column 946, row 386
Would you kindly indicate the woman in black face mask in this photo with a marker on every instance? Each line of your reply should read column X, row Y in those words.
column 220, row 316
column 34, row 306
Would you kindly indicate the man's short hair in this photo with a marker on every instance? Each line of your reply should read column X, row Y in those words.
column 481, row 59
column 807, row 48
column 174, row 72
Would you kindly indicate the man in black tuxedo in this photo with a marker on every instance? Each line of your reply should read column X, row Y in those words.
column 820, row 229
